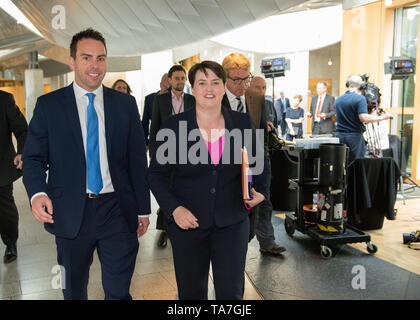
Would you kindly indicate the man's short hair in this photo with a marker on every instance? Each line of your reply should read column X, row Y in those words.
column 324, row 83
column 176, row 67
column 207, row 64
column 354, row 81
column 85, row 34
column 236, row 61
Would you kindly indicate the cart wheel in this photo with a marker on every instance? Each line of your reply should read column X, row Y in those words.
column 371, row 248
column 290, row 229
column 326, row 252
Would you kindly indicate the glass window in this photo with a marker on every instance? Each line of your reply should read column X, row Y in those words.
column 405, row 45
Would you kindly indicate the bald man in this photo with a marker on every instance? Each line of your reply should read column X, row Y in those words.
column 259, row 85
column 264, row 228
column 352, row 113
column 148, row 104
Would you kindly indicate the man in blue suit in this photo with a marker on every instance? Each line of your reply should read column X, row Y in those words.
column 96, row 196
column 281, row 105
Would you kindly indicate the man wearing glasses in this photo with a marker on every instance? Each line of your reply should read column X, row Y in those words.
column 237, row 68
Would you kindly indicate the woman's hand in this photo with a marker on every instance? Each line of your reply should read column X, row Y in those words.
column 184, row 218
column 257, row 198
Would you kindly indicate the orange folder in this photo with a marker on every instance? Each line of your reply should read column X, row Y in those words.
column 246, row 176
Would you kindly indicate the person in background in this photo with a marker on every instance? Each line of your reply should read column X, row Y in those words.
column 164, row 106
column 208, row 219
column 294, row 119
column 264, row 229
column 322, row 110
column 122, row 86
column 352, row 114
column 259, row 84
column 12, row 121
column 281, row 105
column 148, row 106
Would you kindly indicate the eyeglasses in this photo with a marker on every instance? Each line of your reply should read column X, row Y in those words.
column 239, row 81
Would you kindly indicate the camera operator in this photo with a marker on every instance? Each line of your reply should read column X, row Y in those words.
column 352, row 113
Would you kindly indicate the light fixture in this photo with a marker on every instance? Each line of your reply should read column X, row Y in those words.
column 330, row 62
column 388, row 3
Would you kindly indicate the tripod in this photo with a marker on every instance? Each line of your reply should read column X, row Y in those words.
column 403, row 170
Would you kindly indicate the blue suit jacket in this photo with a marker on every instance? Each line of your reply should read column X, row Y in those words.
column 212, row 193
column 55, row 143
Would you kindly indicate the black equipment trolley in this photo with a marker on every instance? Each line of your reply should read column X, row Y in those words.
column 319, row 212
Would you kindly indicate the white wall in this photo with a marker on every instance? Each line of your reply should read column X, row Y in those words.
column 147, row 80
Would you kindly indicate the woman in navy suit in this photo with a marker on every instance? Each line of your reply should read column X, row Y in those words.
column 196, row 178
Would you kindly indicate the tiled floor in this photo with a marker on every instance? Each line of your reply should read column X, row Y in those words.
column 33, row 275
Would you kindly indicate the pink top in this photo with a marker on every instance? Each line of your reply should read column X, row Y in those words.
column 177, row 104
column 216, row 149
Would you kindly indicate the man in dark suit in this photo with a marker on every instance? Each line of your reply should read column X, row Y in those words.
column 91, row 141
column 164, row 106
column 281, row 105
column 322, row 110
column 11, row 121
column 238, row 98
column 148, row 106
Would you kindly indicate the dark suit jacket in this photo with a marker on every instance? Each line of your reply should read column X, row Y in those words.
column 212, row 193
column 55, row 143
column 255, row 107
column 11, row 121
column 162, row 109
column 147, row 114
column 327, row 125
column 284, row 106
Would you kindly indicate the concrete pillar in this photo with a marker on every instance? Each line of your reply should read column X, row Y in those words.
column 34, row 84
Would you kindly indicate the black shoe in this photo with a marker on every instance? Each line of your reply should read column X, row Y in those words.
column 10, row 254
column 163, row 240
column 273, row 249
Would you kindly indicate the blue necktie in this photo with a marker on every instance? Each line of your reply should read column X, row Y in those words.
column 94, row 177
column 240, row 107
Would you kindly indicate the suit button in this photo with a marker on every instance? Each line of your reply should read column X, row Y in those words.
column 213, row 190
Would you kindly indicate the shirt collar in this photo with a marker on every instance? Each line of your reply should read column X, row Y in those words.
column 174, row 96
column 79, row 92
column 230, row 95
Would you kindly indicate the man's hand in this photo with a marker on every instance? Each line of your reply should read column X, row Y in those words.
column 18, row 162
column 143, row 225
column 309, row 115
column 322, row 115
column 257, row 198
column 270, row 126
column 386, row 116
column 184, row 218
column 42, row 209
column 292, row 132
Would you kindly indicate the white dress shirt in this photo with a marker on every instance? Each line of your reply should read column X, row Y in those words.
column 82, row 102
column 234, row 102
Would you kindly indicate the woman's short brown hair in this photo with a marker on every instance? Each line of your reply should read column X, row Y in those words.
column 299, row 97
column 202, row 66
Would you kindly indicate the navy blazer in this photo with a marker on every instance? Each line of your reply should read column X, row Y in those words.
column 54, row 143
column 11, row 121
column 212, row 193
column 162, row 109
column 147, row 114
